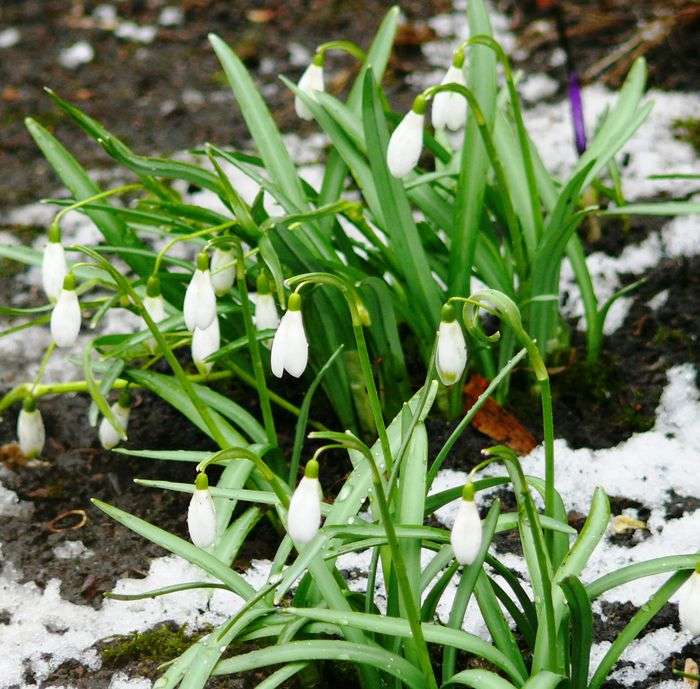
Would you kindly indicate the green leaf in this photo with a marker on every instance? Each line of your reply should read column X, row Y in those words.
column 434, row 633
column 324, row 650
column 479, row 679
column 179, row 546
column 640, row 620
column 580, row 630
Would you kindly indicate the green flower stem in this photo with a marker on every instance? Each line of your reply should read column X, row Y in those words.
column 254, row 348
column 42, row 366
column 505, row 308
column 187, row 237
column 344, row 46
column 412, row 610
column 525, row 501
column 511, row 216
column 279, row 488
column 124, row 189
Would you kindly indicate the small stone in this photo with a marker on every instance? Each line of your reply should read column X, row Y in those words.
column 130, row 31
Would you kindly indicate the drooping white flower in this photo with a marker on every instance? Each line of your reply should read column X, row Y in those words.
column 689, row 604
column 205, row 343
column 466, row 531
column 65, row 317
column 451, row 348
column 450, row 108
column 53, row 266
column 154, row 304
column 311, row 80
column 109, row 437
column 266, row 316
column 304, row 516
column 290, row 349
column 201, row 514
column 31, row 434
column 406, row 142
column 223, row 270
column 199, row 308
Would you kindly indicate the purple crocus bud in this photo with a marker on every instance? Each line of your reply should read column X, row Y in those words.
column 576, row 104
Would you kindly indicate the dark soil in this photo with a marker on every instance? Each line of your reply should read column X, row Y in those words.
column 171, row 94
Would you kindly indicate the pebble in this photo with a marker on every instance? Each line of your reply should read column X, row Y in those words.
column 130, row 31
column 171, row 16
column 9, row 37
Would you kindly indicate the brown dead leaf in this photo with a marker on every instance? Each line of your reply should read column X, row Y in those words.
column 413, row 34
column 494, row 421
column 261, row 16
column 11, row 456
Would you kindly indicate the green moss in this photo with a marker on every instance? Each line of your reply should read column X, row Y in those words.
column 157, row 645
column 665, row 334
column 688, row 129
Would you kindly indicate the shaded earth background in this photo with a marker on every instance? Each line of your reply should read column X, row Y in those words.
column 170, row 94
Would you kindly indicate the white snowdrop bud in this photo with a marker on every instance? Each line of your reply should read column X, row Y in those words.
column 406, row 142
column 154, row 305
column 451, row 349
column 65, row 317
column 450, row 108
column 200, row 301
column 304, row 516
column 201, row 514
column 266, row 316
column 290, row 349
column 205, row 343
column 311, row 80
column 109, row 437
column 689, row 604
column 30, row 429
column 466, row 531
column 223, row 269
column 53, row 266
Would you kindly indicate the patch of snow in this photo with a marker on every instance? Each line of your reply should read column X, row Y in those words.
column 299, row 55
column 12, row 506
column 122, row 681
column 78, row 54
column 72, row 550
column 106, row 16
column 171, row 16
column 9, row 37
column 658, row 300
column 130, row 31
column 536, row 87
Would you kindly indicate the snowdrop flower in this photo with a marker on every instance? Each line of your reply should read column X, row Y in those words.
column 53, row 265
column 200, row 301
column 451, row 349
column 205, row 343
column 109, row 437
column 466, row 531
column 266, row 316
column 201, row 514
column 689, row 604
column 406, row 142
column 290, row 349
column 304, row 516
column 154, row 305
column 450, row 108
column 223, row 269
column 30, row 429
column 65, row 317
column 311, row 80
